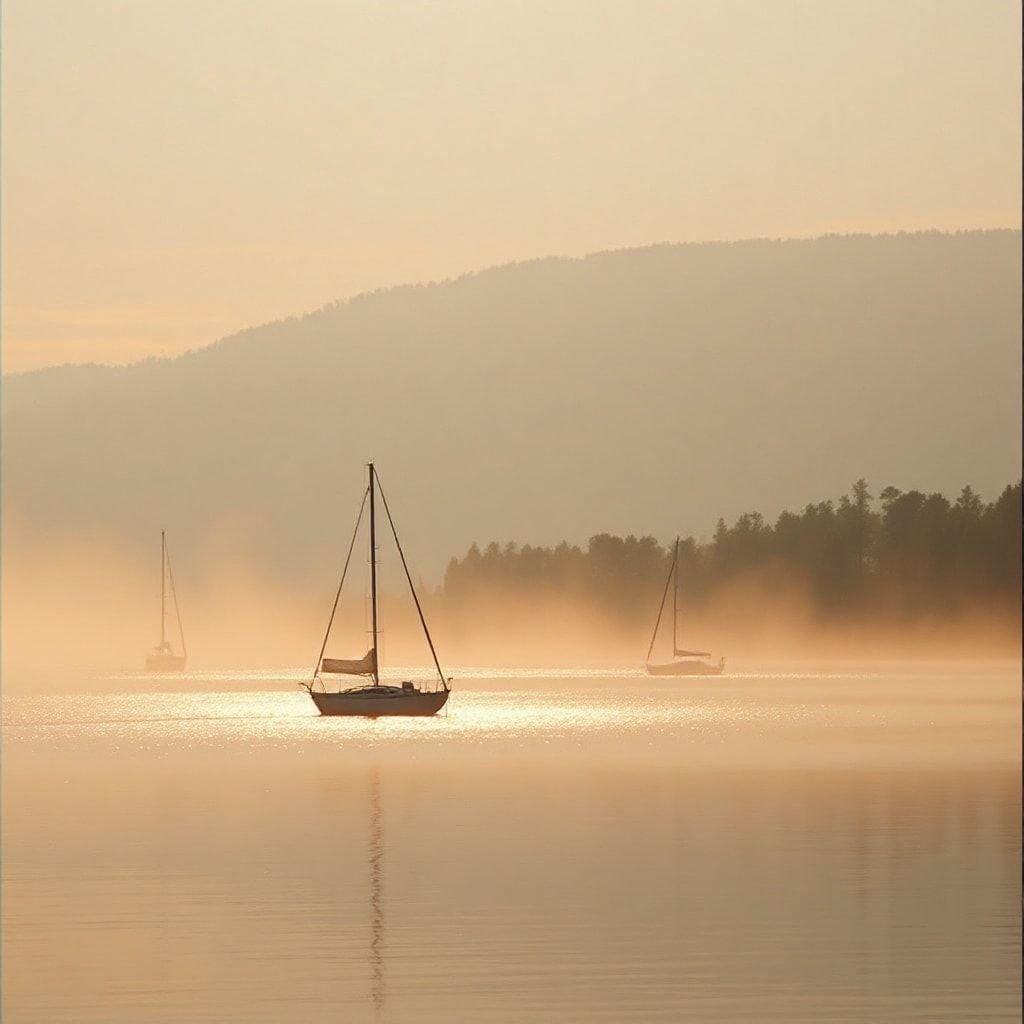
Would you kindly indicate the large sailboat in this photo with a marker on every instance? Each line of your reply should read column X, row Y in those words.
column 691, row 663
column 374, row 699
column 163, row 657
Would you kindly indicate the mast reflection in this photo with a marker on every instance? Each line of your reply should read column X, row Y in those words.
column 376, row 851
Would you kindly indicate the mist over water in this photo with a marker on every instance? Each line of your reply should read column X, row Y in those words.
column 838, row 842
column 89, row 610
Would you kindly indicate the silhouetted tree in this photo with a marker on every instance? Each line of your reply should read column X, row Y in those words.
column 919, row 553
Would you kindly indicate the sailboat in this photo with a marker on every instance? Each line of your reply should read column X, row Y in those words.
column 375, row 699
column 691, row 665
column 162, row 658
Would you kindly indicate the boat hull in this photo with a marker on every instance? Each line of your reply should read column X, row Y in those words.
column 685, row 668
column 165, row 663
column 360, row 705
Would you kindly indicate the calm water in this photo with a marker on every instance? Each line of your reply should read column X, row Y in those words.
column 802, row 846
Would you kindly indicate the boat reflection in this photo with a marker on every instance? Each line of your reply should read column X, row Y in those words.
column 376, row 856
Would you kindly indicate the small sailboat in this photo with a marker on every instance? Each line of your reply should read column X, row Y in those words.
column 375, row 699
column 162, row 658
column 691, row 665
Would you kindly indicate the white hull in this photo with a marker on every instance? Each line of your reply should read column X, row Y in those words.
column 685, row 668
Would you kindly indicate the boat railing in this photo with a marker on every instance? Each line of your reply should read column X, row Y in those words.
column 423, row 685
column 433, row 685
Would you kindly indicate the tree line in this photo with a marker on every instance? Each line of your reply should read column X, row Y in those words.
column 906, row 553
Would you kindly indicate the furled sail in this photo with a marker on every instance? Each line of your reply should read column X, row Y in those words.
column 365, row 666
column 691, row 654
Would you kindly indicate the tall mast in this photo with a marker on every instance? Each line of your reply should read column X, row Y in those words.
column 675, row 600
column 373, row 574
column 163, row 587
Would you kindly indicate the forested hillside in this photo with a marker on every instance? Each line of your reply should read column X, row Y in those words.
column 907, row 556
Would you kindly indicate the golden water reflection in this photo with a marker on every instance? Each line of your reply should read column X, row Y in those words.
column 554, row 849
column 793, row 720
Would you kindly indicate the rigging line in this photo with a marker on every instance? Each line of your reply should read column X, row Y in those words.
column 412, row 589
column 337, row 596
column 163, row 589
column 675, row 603
column 174, row 596
column 661, row 608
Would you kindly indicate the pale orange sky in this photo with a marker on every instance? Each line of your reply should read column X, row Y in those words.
column 175, row 171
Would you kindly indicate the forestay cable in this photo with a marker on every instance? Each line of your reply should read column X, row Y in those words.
column 337, row 596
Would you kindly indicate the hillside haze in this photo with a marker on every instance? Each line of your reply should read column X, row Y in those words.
column 638, row 391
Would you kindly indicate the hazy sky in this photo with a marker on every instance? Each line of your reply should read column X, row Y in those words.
column 177, row 170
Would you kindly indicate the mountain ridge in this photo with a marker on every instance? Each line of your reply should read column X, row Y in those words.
column 413, row 286
column 538, row 399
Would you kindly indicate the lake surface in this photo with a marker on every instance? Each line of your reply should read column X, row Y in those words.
column 804, row 845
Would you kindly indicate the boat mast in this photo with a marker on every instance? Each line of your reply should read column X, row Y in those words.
column 373, row 574
column 163, row 587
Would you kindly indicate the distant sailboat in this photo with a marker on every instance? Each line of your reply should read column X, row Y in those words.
column 691, row 665
column 374, row 700
column 162, row 658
